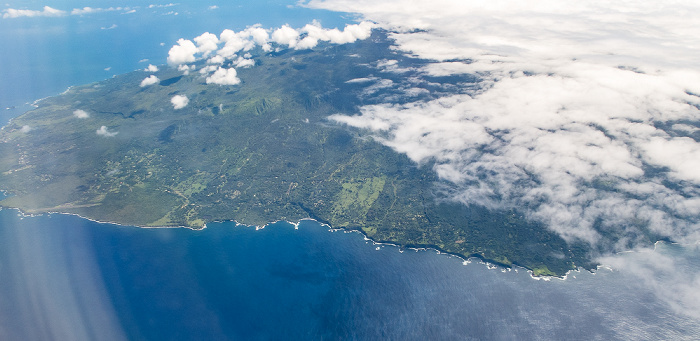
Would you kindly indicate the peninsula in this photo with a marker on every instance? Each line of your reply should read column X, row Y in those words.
column 179, row 151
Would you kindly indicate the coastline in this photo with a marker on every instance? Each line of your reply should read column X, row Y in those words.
column 465, row 259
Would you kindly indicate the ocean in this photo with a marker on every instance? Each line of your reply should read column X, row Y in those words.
column 67, row 278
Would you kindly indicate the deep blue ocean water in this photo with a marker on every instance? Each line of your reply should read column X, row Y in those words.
column 67, row 278
column 64, row 277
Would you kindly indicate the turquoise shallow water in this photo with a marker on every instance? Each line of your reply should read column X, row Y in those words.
column 64, row 277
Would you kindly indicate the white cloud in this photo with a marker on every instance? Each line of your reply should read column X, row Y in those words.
column 80, row 113
column 285, row 35
column 151, row 68
column 216, row 60
column 207, row 43
column 256, row 36
column 179, row 101
column 150, row 80
column 565, row 121
column 571, row 110
column 91, row 10
column 26, row 129
column 85, row 10
column 185, row 69
column 242, row 62
column 103, row 131
column 208, row 69
column 162, row 6
column 46, row 12
column 315, row 33
column 362, row 80
column 213, row 7
column 182, row 53
column 240, row 41
column 224, row 76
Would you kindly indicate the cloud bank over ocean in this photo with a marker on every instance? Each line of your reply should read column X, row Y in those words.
column 586, row 116
column 570, row 119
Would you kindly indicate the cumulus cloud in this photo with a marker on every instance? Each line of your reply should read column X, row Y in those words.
column 26, row 129
column 285, row 35
column 45, row 12
column 103, row 131
column 150, row 80
column 80, row 113
column 241, row 41
column 151, row 68
column 182, row 53
column 256, row 36
column 179, row 101
column 223, row 76
column 216, row 60
column 313, row 33
column 309, row 36
column 207, row 43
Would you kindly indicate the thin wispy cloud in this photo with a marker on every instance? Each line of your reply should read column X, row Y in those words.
column 48, row 11
column 45, row 12
column 104, row 131
column 92, row 10
column 162, row 5
column 80, row 113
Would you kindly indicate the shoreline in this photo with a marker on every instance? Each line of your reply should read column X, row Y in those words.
column 492, row 265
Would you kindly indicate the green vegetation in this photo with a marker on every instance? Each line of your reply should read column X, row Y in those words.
column 256, row 152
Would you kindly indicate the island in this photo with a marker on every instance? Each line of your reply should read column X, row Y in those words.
column 182, row 152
